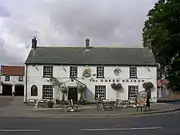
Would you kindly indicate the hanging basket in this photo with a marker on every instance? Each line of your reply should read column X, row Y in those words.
column 148, row 85
column 116, row 86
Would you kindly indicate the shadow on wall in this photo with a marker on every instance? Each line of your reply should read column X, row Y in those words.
column 90, row 97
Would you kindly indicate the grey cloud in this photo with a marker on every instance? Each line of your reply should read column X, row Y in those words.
column 69, row 22
column 2, row 42
column 4, row 12
column 106, row 22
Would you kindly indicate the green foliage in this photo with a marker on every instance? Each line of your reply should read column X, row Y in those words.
column 162, row 30
column 81, row 90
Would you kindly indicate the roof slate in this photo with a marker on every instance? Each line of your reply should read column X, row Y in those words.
column 92, row 56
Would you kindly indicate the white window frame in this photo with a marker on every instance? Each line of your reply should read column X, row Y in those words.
column 132, row 91
column 20, row 78
column 47, row 71
column 7, row 78
column 101, row 91
column 100, row 72
column 133, row 72
column 34, row 90
column 73, row 72
column 47, row 92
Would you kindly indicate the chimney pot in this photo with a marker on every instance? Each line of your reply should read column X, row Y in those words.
column 87, row 43
column 34, row 43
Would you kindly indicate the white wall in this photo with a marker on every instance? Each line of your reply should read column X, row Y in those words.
column 35, row 77
column 14, row 80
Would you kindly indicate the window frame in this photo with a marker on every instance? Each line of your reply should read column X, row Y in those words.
column 43, row 92
column 132, row 74
column 45, row 73
column 7, row 76
column 73, row 73
column 100, row 71
column 136, row 88
column 96, row 93
column 32, row 91
column 21, row 80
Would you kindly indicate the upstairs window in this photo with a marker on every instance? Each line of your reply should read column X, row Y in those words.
column 7, row 78
column 133, row 72
column 73, row 71
column 100, row 72
column 20, row 78
column 48, row 71
column 100, row 92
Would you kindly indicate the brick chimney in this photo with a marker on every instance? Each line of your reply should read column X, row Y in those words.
column 87, row 43
column 34, row 42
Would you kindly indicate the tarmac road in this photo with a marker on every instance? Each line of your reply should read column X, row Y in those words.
column 164, row 124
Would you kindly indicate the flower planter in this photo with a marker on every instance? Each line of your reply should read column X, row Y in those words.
column 50, row 104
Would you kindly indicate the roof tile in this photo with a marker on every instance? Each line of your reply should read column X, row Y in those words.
column 12, row 70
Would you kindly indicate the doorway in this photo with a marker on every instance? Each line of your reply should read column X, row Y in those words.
column 19, row 90
column 6, row 90
column 73, row 94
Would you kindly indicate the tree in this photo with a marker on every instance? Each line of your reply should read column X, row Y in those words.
column 162, row 31
column 59, row 87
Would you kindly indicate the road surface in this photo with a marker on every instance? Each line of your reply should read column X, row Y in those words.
column 165, row 124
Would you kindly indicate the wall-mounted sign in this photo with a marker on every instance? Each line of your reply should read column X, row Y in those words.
column 117, row 71
column 87, row 72
column 118, row 80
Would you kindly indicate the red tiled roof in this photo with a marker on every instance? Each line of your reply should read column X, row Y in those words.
column 12, row 70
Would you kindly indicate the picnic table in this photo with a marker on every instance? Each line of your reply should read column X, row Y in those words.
column 141, row 100
column 105, row 105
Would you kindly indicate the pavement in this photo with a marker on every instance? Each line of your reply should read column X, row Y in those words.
column 14, row 107
column 165, row 124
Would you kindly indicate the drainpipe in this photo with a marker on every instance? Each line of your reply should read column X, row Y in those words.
column 26, row 85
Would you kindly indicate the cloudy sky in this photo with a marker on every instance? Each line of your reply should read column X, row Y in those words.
column 69, row 22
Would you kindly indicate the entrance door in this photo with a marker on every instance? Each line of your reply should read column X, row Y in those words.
column 19, row 90
column 7, row 90
column 72, row 94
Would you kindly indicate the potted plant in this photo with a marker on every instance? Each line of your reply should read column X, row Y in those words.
column 81, row 90
column 50, row 103
column 64, row 92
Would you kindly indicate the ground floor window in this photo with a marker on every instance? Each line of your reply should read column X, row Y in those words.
column 47, row 91
column 34, row 90
column 132, row 91
column 101, row 91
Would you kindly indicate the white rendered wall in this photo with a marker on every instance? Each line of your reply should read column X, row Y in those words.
column 35, row 77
